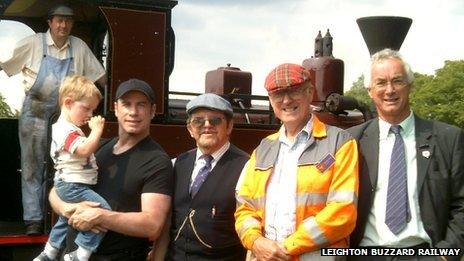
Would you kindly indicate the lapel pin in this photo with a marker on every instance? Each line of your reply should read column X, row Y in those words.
column 426, row 154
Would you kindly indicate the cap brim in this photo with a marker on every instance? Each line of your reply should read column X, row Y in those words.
column 191, row 110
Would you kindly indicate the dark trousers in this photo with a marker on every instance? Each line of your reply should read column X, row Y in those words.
column 232, row 253
column 129, row 255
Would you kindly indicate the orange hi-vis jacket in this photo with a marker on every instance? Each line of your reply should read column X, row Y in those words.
column 327, row 188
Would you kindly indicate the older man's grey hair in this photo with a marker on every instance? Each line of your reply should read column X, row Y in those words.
column 383, row 55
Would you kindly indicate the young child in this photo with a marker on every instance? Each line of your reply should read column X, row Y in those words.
column 75, row 165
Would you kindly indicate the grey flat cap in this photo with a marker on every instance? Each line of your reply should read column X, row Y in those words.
column 136, row 85
column 62, row 10
column 210, row 101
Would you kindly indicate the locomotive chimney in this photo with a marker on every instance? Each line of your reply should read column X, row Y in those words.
column 327, row 44
column 326, row 71
column 318, row 45
column 380, row 32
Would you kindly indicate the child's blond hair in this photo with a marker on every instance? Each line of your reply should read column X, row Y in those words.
column 78, row 88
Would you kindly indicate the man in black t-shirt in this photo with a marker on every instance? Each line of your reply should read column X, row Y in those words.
column 135, row 177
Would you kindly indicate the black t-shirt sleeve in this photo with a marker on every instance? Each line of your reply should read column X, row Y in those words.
column 160, row 178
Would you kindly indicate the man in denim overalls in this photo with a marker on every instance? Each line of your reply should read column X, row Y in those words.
column 44, row 59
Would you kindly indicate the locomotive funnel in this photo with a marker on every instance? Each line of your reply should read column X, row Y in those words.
column 380, row 32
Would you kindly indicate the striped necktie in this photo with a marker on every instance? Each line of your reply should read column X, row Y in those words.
column 202, row 175
column 397, row 212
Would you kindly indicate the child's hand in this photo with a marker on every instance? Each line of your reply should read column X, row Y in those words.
column 97, row 123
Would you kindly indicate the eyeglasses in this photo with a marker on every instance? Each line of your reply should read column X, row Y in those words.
column 293, row 94
column 199, row 122
column 398, row 83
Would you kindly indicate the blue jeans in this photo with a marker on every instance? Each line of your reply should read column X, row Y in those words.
column 74, row 193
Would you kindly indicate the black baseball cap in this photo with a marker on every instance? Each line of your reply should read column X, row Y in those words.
column 136, row 85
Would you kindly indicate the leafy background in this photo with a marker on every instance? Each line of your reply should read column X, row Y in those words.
column 438, row 97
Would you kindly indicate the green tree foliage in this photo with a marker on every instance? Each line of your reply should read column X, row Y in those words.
column 359, row 92
column 5, row 110
column 438, row 97
column 441, row 96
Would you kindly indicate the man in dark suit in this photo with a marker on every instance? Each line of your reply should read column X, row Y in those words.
column 411, row 191
column 204, row 193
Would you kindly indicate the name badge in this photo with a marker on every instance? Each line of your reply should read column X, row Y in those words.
column 325, row 163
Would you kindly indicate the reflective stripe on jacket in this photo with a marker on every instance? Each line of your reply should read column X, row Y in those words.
column 326, row 191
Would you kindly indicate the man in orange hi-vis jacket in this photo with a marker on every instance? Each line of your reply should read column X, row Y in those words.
column 298, row 191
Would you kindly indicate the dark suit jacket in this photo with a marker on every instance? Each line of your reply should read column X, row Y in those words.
column 440, row 179
column 214, row 227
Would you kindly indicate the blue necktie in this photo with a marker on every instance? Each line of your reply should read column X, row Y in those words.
column 202, row 175
column 397, row 212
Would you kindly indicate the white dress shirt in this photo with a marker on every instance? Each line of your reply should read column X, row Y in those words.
column 280, row 206
column 200, row 162
column 377, row 232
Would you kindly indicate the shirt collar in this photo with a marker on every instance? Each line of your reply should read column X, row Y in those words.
column 407, row 126
column 302, row 134
column 216, row 155
column 50, row 42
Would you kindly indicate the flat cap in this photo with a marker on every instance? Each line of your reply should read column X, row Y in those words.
column 210, row 101
column 286, row 75
column 62, row 10
column 136, row 85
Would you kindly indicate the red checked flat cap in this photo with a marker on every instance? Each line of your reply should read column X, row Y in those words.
column 285, row 76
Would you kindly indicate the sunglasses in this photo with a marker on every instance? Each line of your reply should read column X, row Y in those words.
column 199, row 122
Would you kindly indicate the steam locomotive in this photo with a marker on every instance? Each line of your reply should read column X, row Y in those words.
column 141, row 44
